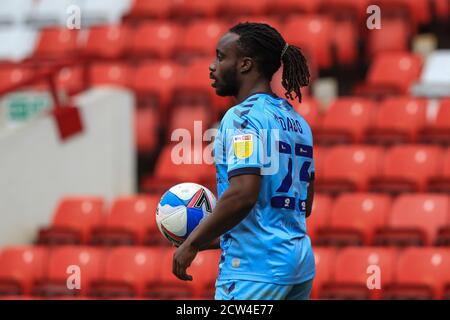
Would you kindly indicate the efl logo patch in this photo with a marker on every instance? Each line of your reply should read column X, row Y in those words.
column 243, row 146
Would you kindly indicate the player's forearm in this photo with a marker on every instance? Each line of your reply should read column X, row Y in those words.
column 215, row 244
column 232, row 208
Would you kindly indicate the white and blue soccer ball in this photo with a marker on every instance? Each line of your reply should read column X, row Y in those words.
column 181, row 209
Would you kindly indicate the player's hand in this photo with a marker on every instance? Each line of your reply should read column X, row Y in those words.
column 182, row 259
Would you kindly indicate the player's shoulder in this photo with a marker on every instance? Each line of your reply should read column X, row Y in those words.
column 252, row 108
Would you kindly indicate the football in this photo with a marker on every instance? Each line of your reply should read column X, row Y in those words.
column 181, row 209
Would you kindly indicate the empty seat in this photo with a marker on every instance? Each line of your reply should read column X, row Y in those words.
column 354, row 219
column 131, row 217
column 315, row 40
column 196, row 119
column 414, row 220
column 441, row 181
column 421, row 273
column 127, row 272
column 345, row 9
column 345, row 121
column 288, row 7
column 144, row 9
column 236, row 7
column 413, row 12
column 106, row 42
column 180, row 163
column 204, row 273
column 11, row 75
column 398, row 120
column 324, row 258
column 406, row 168
column 196, row 8
column 200, row 38
column 154, row 39
column 56, row 43
column 360, row 273
column 154, row 82
column 146, row 128
column 393, row 36
column 320, row 155
column 73, row 220
column 345, row 43
column 392, row 73
column 349, row 168
column 110, row 73
column 71, row 80
column 19, row 267
column 82, row 265
column 438, row 131
column 320, row 215
column 309, row 108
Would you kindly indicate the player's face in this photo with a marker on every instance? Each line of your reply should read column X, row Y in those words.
column 224, row 68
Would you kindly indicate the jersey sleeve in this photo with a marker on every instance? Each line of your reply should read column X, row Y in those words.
column 243, row 142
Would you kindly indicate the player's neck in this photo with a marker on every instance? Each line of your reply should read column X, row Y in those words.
column 247, row 90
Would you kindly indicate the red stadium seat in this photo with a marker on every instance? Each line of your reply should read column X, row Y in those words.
column 414, row 220
column 196, row 8
column 310, row 110
column 186, row 116
column 106, row 42
column 349, row 168
column 439, row 130
column 287, row 7
column 345, row 40
column 110, row 73
column 128, row 222
column 324, row 258
column 393, row 36
column 203, row 270
column 315, row 38
column 320, row 215
column 56, row 43
column 320, row 155
column 11, row 75
column 398, row 120
column 345, row 121
column 71, row 80
column 144, row 9
column 361, row 273
column 354, row 10
column 392, row 73
column 354, row 219
column 20, row 267
column 90, row 262
column 200, row 38
column 73, row 220
column 155, row 81
column 406, row 168
column 421, row 273
column 154, row 39
column 146, row 129
column 441, row 181
column 194, row 86
column 128, row 270
column 413, row 12
column 237, row 7
column 180, row 167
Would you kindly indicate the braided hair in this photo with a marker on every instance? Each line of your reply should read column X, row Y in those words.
column 267, row 47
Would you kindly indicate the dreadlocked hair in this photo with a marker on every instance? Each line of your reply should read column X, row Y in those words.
column 266, row 46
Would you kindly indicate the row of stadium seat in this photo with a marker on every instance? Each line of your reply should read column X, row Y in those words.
column 369, row 218
column 327, row 41
column 137, row 272
column 46, row 12
column 350, row 219
column 402, row 168
column 120, row 272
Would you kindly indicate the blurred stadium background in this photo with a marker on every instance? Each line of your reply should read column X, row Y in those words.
column 86, row 118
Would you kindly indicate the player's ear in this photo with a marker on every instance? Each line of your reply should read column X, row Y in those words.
column 246, row 64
